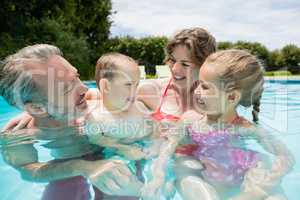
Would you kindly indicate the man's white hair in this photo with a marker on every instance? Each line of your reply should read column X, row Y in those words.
column 16, row 84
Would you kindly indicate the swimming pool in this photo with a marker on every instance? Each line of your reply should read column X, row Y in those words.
column 280, row 113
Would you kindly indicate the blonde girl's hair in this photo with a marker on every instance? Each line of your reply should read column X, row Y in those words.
column 243, row 71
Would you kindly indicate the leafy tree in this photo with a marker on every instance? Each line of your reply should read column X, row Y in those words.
column 291, row 57
column 256, row 49
column 80, row 28
column 224, row 45
column 276, row 61
column 148, row 51
column 91, row 19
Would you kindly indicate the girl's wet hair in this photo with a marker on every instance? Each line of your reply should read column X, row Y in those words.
column 199, row 42
column 240, row 70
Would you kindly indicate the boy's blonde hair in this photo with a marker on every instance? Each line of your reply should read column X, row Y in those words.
column 108, row 63
column 199, row 42
column 240, row 70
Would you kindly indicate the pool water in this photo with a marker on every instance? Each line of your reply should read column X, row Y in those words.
column 280, row 114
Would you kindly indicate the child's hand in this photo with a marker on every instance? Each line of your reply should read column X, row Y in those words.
column 102, row 140
column 154, row 149
column 260, row 181
column 113, row 177
column 152, row 190
column 131, row 152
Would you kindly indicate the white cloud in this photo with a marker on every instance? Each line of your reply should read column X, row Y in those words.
column 274, row 23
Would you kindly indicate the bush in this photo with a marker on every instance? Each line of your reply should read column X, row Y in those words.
column 278, row 73
column 56, row 32
column 148, row 51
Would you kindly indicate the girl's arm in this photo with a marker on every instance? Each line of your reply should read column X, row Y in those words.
column 172, row 137
column 284, row 160
column 261, row 180
column 151, row 189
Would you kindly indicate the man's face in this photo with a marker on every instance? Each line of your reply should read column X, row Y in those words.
column 59, row 83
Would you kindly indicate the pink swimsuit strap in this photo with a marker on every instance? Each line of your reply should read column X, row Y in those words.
column 158, row 114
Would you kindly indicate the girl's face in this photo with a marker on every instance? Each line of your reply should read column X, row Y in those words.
column 209, row 97
column 122, row 89
column 184, row 71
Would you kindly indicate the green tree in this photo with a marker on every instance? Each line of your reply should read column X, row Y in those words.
column 80, row 28
column 224, row 45
column 291, row 58
column 148, row 51
column 91, row 18
column 255, row 48
column 76, row 49
column 276, row 61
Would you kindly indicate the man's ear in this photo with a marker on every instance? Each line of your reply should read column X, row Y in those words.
column 36, row 110
column 104, row 85
column 234, row 97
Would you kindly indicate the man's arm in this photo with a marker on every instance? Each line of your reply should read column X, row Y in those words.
column 110, row 176
column 24, row 158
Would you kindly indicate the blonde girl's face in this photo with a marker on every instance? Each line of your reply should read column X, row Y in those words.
column 184, row 71
column 122, row 89
column 209, row 97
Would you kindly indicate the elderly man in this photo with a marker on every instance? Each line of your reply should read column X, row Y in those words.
column 37, row 79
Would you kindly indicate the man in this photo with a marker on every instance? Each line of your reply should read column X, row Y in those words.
column 37, row 79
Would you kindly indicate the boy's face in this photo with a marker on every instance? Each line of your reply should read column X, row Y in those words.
column 122, row 88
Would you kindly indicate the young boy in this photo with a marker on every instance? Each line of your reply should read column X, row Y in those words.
column 125, row 125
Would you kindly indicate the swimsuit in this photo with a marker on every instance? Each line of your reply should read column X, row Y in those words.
column 224, row 161
column 158, row 115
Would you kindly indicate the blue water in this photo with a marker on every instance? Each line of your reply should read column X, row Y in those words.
column 280, row 113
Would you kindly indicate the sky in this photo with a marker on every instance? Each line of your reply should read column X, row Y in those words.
column 274, row 23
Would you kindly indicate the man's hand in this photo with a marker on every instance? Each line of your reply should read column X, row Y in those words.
column 113, row 177
column 24, row 120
